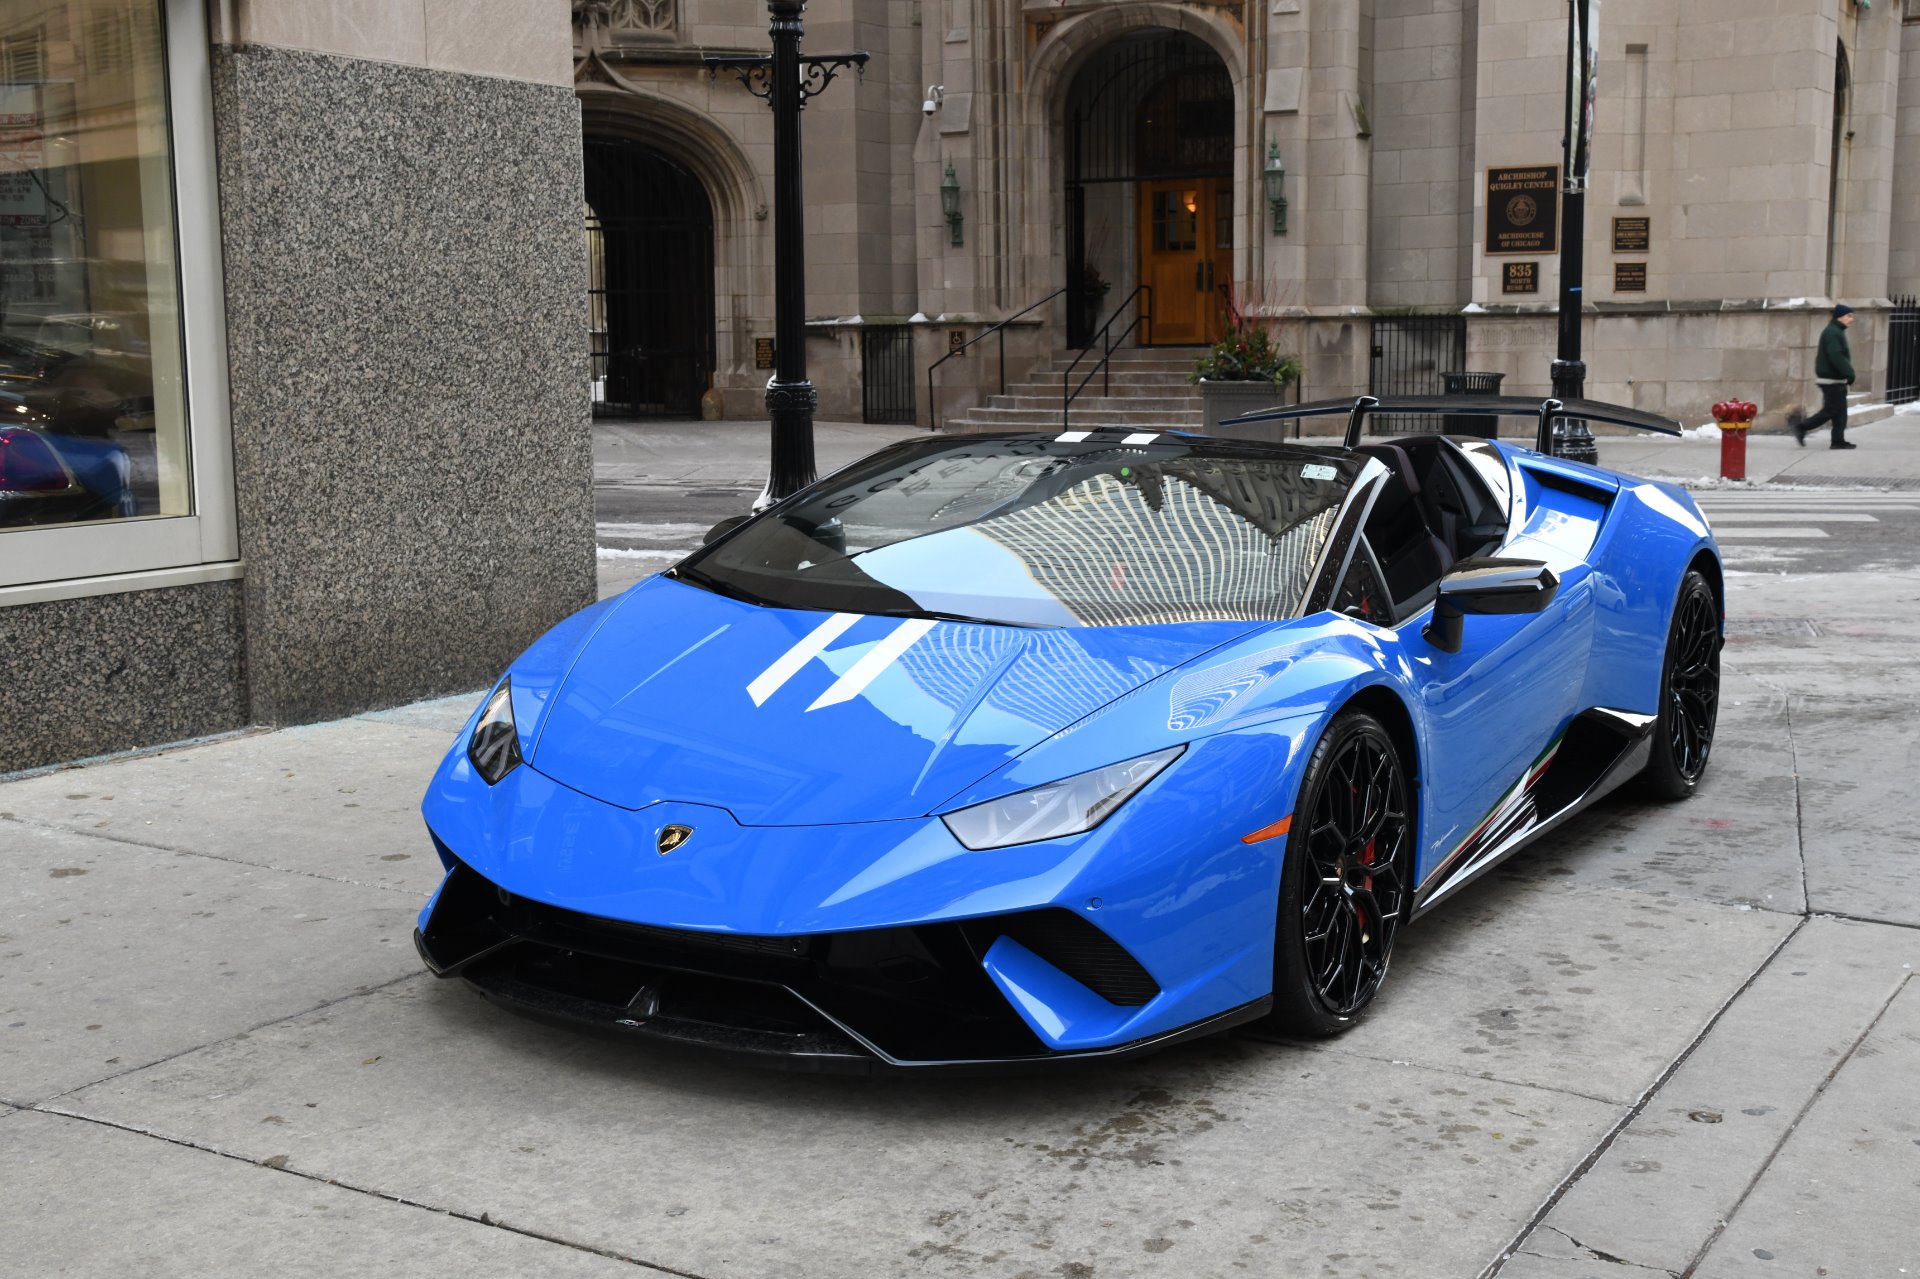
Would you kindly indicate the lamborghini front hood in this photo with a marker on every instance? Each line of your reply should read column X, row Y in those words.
column 795, row 718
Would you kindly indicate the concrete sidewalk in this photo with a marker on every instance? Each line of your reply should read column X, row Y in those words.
column 1888, row 455
column 1680, row 1037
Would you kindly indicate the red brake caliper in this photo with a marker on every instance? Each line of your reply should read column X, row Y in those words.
column 1366, row 859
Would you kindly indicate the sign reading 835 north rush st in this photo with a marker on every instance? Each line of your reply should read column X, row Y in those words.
column 1523, row 209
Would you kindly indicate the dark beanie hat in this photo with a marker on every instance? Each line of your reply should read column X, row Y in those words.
column 1842, row 309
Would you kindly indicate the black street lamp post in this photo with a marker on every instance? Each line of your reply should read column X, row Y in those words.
column 786, row 79
column 1572, row 437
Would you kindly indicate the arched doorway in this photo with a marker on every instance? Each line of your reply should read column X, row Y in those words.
column 649, row 227
column 1149, row 185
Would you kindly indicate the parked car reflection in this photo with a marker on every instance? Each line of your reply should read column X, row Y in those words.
column 76, row 424
column 58, row 479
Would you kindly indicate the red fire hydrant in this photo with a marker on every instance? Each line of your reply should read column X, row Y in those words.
column 1734, row 417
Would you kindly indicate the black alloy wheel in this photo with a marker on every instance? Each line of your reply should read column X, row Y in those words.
column 1345, row 888
column 1689, row 693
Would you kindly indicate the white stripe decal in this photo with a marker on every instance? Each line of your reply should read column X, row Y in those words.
column 1071, row 437
column 769, row 681
column 1147, row 437
column 877, row 659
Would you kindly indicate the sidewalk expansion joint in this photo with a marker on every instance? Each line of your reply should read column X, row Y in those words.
column 1844, row 917
column 224, row 1039
column 1786, row 1136
column 274, row 1165
column 1634, row 1111
column 151, row 847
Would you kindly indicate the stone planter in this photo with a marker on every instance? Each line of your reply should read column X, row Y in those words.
column 1230, row 399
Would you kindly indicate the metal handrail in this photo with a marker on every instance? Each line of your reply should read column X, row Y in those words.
column 1105, row 334
column 933, row 416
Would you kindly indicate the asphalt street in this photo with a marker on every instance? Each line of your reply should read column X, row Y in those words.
column 1678, row 1039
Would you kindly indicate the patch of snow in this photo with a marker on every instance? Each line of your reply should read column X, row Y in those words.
column 624, row 553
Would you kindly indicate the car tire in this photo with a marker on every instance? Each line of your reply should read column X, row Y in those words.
column 1689, row 694
column 1346, row 884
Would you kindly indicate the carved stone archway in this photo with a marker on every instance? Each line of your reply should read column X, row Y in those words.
column 742, row 243
column 1065, row 48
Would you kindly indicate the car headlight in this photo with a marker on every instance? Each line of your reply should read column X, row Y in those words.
column 494, row 748
column 1069, row 806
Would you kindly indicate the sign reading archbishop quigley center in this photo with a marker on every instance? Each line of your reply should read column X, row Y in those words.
column 1523, row 209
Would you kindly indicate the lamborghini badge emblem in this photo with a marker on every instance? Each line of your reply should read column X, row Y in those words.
column 671, row 837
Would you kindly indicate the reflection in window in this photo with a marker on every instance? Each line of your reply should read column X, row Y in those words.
column 92, row 410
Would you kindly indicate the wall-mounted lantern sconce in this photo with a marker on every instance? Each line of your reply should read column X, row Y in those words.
column 950, row 201
column 1276, row 173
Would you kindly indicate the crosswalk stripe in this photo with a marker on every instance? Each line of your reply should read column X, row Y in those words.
column 1779, row 533
column 1781, row 517
column 1805, row 495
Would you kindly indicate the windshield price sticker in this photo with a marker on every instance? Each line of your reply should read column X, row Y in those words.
column 1318, row 471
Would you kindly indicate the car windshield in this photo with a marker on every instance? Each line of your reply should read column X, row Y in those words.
column 1047, row 532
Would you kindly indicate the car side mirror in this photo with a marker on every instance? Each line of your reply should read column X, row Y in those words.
column 1488, row 586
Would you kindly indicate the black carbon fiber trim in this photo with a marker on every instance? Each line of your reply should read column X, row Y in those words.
column 1080, row 949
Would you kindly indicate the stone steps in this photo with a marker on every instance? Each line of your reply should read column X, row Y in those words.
column 1056, row 378
column 1098, row 403
column 1142, row 388
column 992, row 418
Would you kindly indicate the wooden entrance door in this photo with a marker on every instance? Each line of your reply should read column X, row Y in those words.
column 1186, row 256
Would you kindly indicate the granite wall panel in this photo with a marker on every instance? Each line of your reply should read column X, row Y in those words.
column 113, row 672
column 406, row 308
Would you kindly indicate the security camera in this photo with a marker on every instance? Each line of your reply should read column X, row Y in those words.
column 935, row 94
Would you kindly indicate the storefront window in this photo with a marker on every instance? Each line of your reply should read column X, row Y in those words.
column 93, row 420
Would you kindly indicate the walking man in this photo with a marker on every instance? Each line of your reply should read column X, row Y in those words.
column 1833, row 374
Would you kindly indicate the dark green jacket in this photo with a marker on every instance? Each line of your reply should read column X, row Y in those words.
column 1835, row 361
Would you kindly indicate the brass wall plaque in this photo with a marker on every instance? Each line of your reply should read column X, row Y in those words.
column 1632, row 235
column 1521, row 277
column 1523, row 209
column 1629, row 277
column 763, row 353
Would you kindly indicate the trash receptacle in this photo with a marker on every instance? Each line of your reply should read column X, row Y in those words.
column 1484, row 425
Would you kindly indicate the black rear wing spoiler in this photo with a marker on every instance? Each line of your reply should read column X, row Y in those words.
column 1544, row 412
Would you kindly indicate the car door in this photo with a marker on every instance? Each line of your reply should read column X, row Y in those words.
column 1494, row 710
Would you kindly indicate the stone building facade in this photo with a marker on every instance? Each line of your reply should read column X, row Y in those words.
column 291, row 347
column 1747, row 172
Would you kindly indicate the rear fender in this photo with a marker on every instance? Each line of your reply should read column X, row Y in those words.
column 1642, row 555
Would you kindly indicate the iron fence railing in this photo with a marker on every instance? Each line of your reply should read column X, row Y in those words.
column 1903, row 350
column 1411, row 356
column 1000, row 330
column 886, row 374
column 1141, row 299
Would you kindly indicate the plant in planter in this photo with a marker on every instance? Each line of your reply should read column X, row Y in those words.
column 1244, row 372
column 1246, row 354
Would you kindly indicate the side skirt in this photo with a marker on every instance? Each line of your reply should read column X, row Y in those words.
column 1597, row 752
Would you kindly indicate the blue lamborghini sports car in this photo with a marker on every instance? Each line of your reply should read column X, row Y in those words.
column 996, row 749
